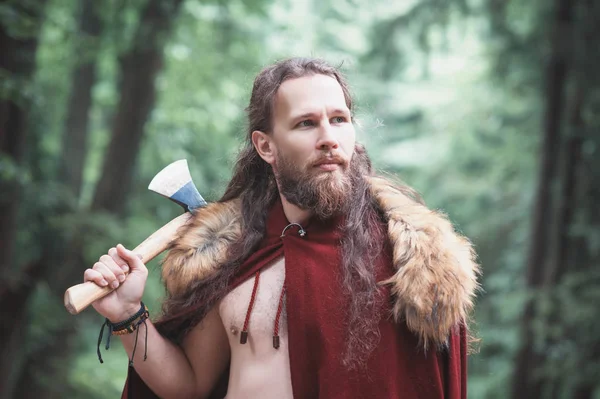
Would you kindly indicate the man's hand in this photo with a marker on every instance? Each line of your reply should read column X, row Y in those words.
column 124, row 271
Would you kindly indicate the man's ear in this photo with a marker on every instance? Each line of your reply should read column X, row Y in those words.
column 264, row 146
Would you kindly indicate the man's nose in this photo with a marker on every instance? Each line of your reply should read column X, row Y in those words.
column 327, row 139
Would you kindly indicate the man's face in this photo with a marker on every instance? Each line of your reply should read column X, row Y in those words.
column 312, row 143
column 311, row 124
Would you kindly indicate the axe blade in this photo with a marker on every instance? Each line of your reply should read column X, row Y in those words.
column 175, row 183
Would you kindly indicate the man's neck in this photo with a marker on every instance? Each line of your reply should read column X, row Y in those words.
column 293, row 213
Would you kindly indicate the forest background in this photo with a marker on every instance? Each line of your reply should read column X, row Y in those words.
column 489, row 108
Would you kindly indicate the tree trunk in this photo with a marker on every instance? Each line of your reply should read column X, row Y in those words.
column 139, row 68
column 571, row 159
column 74, row 148
column 18, row 62
column 584, row 177
column 528, row 361
column 12, row 141
column 13, row 307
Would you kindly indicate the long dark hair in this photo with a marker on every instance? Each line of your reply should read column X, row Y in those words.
column 253, row 180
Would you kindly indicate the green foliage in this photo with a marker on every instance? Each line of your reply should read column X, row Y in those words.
column 449, row 97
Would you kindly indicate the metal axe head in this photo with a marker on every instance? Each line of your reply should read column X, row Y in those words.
column 175, row 183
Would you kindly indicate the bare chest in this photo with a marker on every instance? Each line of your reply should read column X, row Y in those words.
column 261, row 321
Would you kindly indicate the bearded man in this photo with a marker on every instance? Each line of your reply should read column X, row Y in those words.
column 311, row 277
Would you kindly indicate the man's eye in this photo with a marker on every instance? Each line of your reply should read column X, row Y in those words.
column 338, row 119
column 306, row 123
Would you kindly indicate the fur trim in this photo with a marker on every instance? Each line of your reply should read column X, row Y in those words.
column 201, row 246
column 436, row 274
column 433, row 288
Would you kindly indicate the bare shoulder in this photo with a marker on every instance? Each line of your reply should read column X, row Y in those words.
column 207, row 348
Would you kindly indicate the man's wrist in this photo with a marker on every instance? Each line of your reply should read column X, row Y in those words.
column 125, row 314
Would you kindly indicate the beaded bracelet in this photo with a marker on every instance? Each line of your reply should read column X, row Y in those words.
column 125, row 327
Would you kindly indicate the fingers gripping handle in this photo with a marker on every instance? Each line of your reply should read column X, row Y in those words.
column 80, row 296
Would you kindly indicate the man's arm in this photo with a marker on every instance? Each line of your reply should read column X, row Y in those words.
column 207, row 349
column 189, row 371
column 167, row 371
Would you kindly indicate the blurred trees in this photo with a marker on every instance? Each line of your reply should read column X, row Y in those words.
column 18, row 44
column 139, row 64
column 83, row 78
column 539, row 272
column 139, row 67
column 458, row 97
column 542, row 54
column 563, row 259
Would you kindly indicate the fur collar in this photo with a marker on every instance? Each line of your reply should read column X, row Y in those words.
column 434, row 285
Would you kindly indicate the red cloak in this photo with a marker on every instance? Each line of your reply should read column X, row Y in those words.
column 399, row 367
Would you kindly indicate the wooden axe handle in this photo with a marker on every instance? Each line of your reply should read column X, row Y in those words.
column 80, row 296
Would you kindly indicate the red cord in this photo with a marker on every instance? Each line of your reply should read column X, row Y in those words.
column 277, row 317
column 244, row 335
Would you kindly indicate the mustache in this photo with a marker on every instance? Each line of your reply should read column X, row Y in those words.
column 330, row 158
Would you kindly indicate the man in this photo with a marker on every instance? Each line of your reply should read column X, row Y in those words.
column 311, row 277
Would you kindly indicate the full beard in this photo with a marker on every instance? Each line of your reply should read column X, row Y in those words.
column 326, row 194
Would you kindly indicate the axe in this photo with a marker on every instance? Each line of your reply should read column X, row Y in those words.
column 173, row 182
